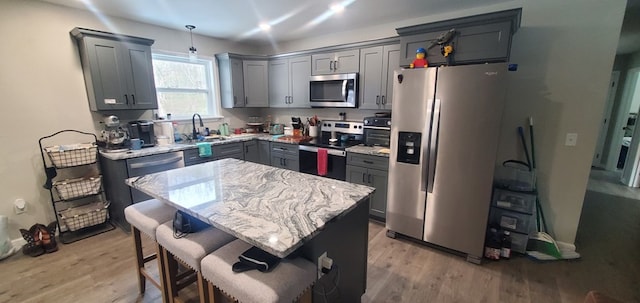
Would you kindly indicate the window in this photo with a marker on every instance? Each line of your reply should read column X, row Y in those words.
column 183, row 87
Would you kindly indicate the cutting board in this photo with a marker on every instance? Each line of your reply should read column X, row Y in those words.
column 295, row 139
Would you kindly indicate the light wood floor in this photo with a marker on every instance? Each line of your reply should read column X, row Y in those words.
column 100, row 269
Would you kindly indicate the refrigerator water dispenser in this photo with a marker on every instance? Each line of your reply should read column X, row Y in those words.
column 409, row 147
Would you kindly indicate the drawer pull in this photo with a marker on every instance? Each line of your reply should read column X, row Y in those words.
column 367, row 161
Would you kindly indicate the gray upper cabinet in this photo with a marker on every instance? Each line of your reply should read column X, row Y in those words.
column 478, row 39
column 230, row 71
column 256, row 83
column 376, row 76
column 118, row 70
column 289, row 82
column 336, row 62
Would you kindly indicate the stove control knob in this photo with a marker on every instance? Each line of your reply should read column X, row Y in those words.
column 389, row 123
column 366, row 122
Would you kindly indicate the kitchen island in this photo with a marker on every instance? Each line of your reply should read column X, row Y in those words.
column 280, row 211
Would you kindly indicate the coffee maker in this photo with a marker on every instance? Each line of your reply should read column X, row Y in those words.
column 143, row 130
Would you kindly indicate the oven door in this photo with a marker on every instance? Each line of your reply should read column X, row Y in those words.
column 336, row 162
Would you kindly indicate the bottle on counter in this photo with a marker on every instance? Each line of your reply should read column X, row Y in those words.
column 492, row 246
column 505, row 251
column 176, row 135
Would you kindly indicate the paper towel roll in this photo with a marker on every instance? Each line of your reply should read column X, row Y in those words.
column 164, row 128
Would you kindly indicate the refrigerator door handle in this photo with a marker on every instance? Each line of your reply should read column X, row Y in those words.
column 426, row 149
column 433, row 146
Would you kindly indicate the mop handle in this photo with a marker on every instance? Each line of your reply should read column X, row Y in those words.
column 524, row 145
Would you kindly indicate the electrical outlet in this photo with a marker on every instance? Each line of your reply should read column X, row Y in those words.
column 571, row 139
column 320, row 261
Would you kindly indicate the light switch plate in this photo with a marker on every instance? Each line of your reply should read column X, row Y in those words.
column 571, row 139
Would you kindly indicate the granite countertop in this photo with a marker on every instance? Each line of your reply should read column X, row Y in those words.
column 183, row 146
column 369, row 150
column 274, row 209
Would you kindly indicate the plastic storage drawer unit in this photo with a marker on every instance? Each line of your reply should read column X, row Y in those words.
column 512, row 221
column 516, row 201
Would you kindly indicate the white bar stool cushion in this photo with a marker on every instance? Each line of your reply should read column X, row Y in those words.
column 285, row 283
column 147, row 215
column 194, row 246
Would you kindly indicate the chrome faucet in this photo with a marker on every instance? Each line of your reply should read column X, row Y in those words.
column 193, row 122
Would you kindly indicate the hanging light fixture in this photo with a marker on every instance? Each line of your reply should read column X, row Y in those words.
column 193, row 53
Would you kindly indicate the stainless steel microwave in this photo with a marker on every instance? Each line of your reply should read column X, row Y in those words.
column 338, row 90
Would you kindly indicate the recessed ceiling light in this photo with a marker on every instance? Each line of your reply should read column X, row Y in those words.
column 265, row 26
column 338, row 8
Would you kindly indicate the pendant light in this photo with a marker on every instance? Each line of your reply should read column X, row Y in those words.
column 193, row 53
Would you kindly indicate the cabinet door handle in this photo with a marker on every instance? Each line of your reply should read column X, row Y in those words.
column 363, row 181
column 235, row 99
column 369, row 178
column 335, row 65
column 384, row 100
column 331, row 65
column 378, row 99
column 246, row 100
column 133, row 98
column 246, row 149
column 126, row 99
column 367, row 161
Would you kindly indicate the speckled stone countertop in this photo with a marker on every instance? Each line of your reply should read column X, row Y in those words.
column 368, row 150
column 275, row 209
column 182, row 146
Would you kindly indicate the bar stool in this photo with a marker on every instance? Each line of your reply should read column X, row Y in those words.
column 145, row 217
column 288, row 281
column 187, row 251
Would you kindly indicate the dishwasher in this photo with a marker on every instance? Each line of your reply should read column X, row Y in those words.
column 152, row 164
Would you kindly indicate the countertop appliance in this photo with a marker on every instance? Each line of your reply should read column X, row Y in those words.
column 444, row 137
column 335, row 136
column 338, row 90
column 114, row 137
column 143, row 130
column 377, row 131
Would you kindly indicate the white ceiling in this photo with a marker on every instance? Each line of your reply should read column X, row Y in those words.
column 290, row 19
column 295, row 19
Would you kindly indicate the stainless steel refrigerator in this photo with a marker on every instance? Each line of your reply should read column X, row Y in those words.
column 444, row 136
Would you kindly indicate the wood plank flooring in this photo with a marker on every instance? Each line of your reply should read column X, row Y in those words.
column 101, row 269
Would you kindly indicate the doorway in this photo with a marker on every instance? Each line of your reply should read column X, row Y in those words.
column 631, row 169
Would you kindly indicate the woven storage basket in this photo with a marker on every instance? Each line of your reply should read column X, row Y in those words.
column 78, row 187
column 84, row 216
column 72, row 155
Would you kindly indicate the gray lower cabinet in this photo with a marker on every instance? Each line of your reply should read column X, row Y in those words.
column 221, row 151
column 285, row 155
column 116, row 171
column 251, row 151
column 376, row 76
column 371, row 171
column 117, row 69
column 264, row 148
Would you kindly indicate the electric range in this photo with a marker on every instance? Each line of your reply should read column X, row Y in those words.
column 335, row 137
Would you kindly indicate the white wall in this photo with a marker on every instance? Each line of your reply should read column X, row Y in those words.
column 43, row 91
column 565, row 51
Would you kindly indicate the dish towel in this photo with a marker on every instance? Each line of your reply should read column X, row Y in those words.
column 323, row 155
column 204, row 149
